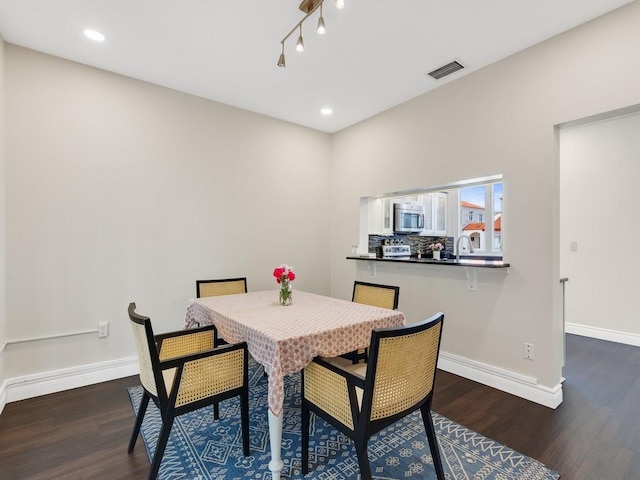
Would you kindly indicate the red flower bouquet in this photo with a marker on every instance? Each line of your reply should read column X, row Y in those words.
column 284, row 275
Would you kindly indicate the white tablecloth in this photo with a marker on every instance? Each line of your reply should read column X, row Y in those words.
column 286, row 338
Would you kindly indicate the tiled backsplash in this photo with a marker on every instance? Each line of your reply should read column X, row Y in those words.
column 416, row 242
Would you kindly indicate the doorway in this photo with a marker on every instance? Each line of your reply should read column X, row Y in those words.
column 600, row 225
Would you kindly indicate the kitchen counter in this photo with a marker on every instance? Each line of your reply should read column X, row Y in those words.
column 463, row 262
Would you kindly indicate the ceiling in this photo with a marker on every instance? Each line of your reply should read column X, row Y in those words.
column 375, row 54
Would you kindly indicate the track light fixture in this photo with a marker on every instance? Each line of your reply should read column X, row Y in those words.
column 321, row 29
column 308, row 7
column 300, row 42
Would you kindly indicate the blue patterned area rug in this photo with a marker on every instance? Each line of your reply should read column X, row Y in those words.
column 201, row 448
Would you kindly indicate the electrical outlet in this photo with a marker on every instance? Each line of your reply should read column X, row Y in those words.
column 573, row 246
column 103, row 329
column 528, row 351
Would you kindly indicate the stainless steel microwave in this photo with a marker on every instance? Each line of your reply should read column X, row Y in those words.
column 408, row 218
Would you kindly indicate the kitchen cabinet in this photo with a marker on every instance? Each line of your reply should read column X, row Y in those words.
column 380, row 216
column 435, row 213
column 387, row 216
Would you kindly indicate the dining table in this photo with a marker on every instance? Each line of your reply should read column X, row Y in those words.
column 284, row 339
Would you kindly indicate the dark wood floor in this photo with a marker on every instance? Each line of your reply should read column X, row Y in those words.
column 594, row 434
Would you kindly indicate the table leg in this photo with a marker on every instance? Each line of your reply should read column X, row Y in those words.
column 275, row 439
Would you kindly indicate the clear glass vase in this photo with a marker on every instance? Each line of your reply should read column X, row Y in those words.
column 285, row 294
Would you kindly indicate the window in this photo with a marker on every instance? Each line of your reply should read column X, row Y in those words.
column 470, row 207
column 497, row 217
column 483, row 223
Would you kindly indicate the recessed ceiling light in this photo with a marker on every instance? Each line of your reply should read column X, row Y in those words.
column 93, row 35
column 326, row 111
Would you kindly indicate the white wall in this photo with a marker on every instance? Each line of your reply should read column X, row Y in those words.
column 120, row 190
column 124, row 191
column 599, row 171
column 3, row 223
column 497, row 120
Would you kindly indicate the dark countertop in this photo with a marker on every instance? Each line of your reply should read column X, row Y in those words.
column 463, row 262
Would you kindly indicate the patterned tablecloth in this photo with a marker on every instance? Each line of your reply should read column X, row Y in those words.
column 285, row 339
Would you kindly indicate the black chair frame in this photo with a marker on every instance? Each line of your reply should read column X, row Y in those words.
column 377, row 285
column 220, row 280
column 219, row 340
column 365, row 428
column 166, row 401
column 358, row 355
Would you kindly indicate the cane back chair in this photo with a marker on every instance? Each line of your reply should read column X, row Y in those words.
column 360, row 400
column 183, row 371
column 376, row 295
column 221, row 286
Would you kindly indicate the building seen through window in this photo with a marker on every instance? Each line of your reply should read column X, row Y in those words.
column 477, row 203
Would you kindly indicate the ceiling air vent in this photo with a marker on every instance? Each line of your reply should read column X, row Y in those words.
column 445, row 70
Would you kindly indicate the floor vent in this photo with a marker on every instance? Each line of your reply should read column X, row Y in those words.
column 445, row 70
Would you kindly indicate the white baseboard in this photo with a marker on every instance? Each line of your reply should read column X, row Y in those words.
column 20, row 388
column 3, row 395
column 28, row 386
column 505, row 380
column 603, row 334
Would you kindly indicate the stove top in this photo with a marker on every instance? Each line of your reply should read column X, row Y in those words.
column 396, row 250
